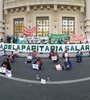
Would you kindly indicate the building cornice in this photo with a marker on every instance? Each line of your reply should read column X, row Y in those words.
column 21, row 3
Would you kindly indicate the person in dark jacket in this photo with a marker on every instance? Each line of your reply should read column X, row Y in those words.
column 67, row 64
column 6, row 64
column 6, row 68
column 79, row 56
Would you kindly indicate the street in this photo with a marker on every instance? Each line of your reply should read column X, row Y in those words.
column 62, row 85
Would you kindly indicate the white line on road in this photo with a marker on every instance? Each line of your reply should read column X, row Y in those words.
column 48, row 82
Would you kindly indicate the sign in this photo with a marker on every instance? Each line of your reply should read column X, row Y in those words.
column 58, row 67
column 75, row 38
column 56, row 38
column 54, row 58
column 35, row 66
column 43, row 81
column 44, row 47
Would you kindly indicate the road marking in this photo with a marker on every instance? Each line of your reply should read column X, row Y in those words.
column 50, row 82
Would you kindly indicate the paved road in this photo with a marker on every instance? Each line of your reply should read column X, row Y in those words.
column 16, row 89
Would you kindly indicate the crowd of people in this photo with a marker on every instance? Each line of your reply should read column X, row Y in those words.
column 37, row 63
column 67, row 64
column 54, row 56
column 37, row 40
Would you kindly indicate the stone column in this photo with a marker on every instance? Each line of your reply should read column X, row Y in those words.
column 88, row 19
column 1, row 20
column 1, row 14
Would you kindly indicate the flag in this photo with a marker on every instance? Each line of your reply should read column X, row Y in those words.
column 26, row 31
column 29, row 32
column 33, row 30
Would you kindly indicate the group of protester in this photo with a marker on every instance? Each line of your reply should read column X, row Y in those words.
column 54, row 56
column 37, row 61
column 67, row 65
column 6, row 66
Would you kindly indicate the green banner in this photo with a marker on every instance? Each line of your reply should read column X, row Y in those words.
column 58, row 38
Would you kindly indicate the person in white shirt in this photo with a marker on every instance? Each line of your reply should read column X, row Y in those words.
column 65, row 54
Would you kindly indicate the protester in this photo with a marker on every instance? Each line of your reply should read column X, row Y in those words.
column 55, row 57
column 87, row 42
column 6, row 68
column 8, row 39
column 11, row 57
column 37, row 64
column 1, row 41
column 79, row 56
column 29, row 58
column 34, row 54
column 65, row 54
column 67, row 64
column 51, row 54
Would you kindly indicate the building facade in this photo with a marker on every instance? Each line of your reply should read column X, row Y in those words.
column 48, row 16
